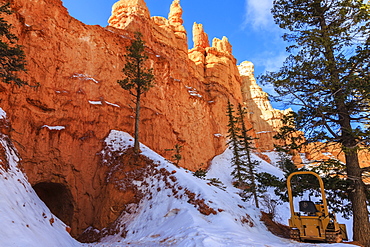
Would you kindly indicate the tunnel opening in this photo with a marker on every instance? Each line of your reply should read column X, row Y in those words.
column 58, row 199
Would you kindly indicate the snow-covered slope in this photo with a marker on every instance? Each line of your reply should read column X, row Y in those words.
column 25, row 221
column 178, row 209
column 168, row 215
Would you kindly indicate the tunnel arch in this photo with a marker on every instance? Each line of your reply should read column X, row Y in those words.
column 58, row 198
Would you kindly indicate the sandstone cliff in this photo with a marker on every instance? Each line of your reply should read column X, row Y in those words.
column 59, row 126
column 264, row 118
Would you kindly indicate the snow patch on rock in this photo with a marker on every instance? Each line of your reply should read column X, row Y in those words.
column 54, row 127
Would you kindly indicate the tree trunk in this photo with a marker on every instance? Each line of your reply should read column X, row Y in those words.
column 357, row 192
column 137, row 122
column 253, row 179
column 357, row 195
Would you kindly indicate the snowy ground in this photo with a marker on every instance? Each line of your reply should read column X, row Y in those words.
column 25, row 221
column 161, row 219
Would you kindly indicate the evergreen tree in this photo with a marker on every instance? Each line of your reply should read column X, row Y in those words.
column 247, row 147
column 139, row 79
column 177, row 155
column 266, row 180
column 327, row 75
column 240, row 142
column 12, row 57
column 240, row 172
column 337, row 189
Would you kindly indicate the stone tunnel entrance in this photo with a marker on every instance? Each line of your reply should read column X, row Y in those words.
column 58, row 198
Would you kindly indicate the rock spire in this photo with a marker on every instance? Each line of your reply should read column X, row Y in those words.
column 222, row 45
column 175, row 15
column 175, row 19
column 200, row 38
column 265, row 119
column 129, row 13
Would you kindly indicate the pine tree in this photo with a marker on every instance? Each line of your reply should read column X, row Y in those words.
column 247, row 147
column 240, row 142
column 327, row 75
column 337, row 189
column 240, row 172
column 12, row 57
column 139, row 79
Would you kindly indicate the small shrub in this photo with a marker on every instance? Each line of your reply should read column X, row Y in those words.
column 270, row 205
column 200, row 173
column 216, row 182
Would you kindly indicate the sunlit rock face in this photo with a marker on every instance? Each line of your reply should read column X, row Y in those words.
column 59, row 126
column 264, row 118
column 129, row 14
column 200, row 38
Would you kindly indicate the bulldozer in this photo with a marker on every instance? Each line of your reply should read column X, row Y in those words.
column 313, row 222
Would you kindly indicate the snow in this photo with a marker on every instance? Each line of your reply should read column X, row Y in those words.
column 122, row 36
column 177, row 80
column 54, row 127
column 263, row 132
column 109, row 103
column 84, row 77
column 64, row 91
column 93, row 102
column 304, row 159
column 25, row 220
column 162, row 218
column 2, row 114
column 193, row 92
column 109, row 30
column 273, row 156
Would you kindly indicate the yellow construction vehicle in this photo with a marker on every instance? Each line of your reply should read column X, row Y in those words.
column 313, row 222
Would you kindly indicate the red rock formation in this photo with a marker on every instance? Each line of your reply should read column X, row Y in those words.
column 60, row 125
column 200, row 38
column 264, row 118
column 175, row 20
column 316, row 152
column 129, row 15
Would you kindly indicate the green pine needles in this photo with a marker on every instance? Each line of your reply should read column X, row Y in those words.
column 12, row 57
column 241, row 145
column 326, row 75
column 239, row 172
column 139, row 79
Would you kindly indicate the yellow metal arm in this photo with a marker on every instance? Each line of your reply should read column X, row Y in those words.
column 290, row 193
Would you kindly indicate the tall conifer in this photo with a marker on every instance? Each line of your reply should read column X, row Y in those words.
column 247, row 147
column 139, row 79
column 240, row 172
column 12, row 57
column 327, row 75
column 240, row 143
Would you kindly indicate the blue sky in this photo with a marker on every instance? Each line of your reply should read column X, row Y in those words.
column 247, row 24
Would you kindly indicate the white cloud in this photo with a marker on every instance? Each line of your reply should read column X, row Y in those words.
column 272, row 62
column 258, row 14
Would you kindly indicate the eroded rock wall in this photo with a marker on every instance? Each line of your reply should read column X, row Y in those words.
column 265, row 120
column 59, row 126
